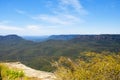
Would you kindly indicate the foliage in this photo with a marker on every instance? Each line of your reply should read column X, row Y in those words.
column 38, row 55
column 97, row 67
column 11, row 74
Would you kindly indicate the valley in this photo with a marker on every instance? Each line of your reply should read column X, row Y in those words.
column 39, row 55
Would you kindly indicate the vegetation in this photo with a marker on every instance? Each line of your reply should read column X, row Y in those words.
column 96, row 67
column 103, row 64
column 39, row 55
column 11, row 74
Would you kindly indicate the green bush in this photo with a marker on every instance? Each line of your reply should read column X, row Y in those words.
column 10, row 73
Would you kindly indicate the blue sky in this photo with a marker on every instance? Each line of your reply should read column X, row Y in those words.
column 48, row 17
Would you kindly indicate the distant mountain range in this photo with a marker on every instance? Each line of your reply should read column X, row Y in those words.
column 69, row 37
column 36, row 38
column 60, row 37
column 11, row 38
column 85, row 37
column 39, row 54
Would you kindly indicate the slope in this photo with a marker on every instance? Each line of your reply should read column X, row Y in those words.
column 39, row 55
column 31, row 73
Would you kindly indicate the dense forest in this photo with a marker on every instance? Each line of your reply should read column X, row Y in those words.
column 40, row 55
column 89, row 66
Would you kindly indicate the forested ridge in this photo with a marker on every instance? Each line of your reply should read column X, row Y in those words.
column 39, row 55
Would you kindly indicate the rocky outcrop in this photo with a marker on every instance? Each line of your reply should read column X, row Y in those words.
column 29, row 72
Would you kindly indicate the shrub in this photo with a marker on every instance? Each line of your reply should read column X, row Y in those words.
column 10, row 73
column 96, row 67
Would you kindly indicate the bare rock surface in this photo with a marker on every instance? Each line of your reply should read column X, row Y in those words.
column 42, row 75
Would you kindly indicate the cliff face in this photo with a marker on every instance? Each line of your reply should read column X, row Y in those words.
column 85, row 37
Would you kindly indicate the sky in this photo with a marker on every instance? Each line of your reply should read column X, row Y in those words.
column 55, row 17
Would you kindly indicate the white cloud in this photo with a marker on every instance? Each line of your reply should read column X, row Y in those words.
column 5, row 29
column 48, row 4
column 62, row 14
column 53, row 23
column 74, row 3
column 4, row 22
column 27, row 30
column 20, row 11
column 60, row 19
column 52, row 19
